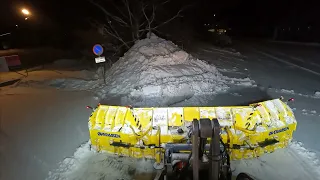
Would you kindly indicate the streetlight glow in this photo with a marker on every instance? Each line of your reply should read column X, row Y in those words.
column 25, row 11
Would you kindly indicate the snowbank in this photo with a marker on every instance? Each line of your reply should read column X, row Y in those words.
column 287, row 91
column 156, row 72
column 316, row 95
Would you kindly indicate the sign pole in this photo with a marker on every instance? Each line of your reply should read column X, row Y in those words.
column 98, row 51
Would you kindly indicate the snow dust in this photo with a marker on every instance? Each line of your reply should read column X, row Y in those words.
column 309, row 157
column 87, row 164
column 294, row 162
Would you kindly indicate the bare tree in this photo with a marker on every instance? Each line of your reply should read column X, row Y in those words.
column 131, row 20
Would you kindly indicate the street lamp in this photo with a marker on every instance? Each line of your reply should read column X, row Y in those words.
column 25, row 12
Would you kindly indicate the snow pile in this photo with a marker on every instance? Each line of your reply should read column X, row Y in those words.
column 72, row 83
column 309, row 112
column 90, row 165
column 316, row 95
column 156, row 72
column 287, row 91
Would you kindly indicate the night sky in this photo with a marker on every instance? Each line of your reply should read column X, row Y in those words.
column 237, row 13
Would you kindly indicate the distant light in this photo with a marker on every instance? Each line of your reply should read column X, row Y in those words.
column 5, row 34
column 26, row 18
column 25, row 11
column 291, row 100
column 214, row 15
column 308, row 27
column 16, row 25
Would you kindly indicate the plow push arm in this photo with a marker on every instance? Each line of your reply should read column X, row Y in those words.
column 201, row 153
column 202, row 130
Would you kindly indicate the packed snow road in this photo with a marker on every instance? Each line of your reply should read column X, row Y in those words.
column 39, row 128
column 286, row 70
column 294, row 70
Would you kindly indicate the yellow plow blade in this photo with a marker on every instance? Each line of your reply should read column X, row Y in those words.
column 248, row 131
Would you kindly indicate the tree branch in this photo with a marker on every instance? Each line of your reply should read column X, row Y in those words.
column 128, row 9
column 149, row 22
column 169, row 20
column 112, row 34
column 122, row 13
column 116, row 36
column 116, row 18
column 165, row 2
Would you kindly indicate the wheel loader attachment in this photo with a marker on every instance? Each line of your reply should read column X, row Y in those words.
column 245, row 131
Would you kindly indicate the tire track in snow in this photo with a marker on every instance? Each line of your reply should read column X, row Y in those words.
column 299, row 59
column 287, row 62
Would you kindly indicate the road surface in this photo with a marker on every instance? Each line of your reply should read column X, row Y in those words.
column 278, row 69
column 40, row 128
column 290, row 67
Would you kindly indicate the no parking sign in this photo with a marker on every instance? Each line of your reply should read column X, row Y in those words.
column 98, row 50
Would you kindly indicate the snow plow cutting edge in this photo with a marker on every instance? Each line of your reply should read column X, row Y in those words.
column 247, row 131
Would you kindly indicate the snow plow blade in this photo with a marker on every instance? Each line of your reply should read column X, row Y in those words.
column 248, row 131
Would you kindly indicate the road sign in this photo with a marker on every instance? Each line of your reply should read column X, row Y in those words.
column 100, row 59
column 97, row 49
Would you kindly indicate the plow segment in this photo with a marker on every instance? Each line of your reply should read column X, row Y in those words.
column 247, row 131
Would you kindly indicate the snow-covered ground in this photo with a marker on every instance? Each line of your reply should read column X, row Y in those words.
column 41, row 127
column 38, row 129
column 278, row 74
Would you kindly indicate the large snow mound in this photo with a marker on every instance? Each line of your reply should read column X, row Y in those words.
column 157, row 72
column 154, row 72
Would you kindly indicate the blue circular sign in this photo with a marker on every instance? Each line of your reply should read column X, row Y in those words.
column 97, row 49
